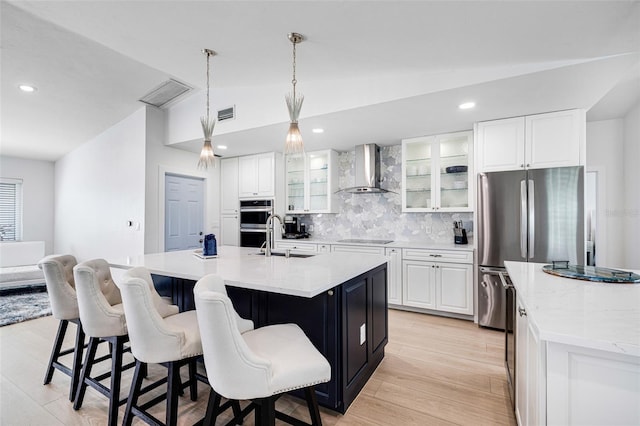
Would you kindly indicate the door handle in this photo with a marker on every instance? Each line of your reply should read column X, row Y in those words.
column 532, row 219
column 200, row 240
column 523, row 219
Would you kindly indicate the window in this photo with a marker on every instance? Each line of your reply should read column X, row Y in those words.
column 10, row 209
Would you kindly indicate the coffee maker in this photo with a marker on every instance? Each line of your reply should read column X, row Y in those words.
column 290, row 227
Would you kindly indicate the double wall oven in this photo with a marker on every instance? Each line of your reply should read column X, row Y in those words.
column 253, row 219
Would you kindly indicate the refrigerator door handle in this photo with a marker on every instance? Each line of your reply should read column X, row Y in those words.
column 532, row 219
column 523, row 219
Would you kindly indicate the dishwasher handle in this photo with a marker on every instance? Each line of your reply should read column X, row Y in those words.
column 504, row 277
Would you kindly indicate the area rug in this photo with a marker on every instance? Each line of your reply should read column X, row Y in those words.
column 28, row 304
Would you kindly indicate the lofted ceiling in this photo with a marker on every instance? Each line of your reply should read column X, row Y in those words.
column 371, row 71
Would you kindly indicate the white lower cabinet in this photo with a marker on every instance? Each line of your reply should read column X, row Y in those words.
column 296, row 245
column 438, row 280
column 419, row 284
column 529, row 360
column 454, row 288
column 357, row 249
column 561, row 384
column 394, row 275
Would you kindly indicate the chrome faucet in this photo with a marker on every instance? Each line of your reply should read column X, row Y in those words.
column 269, row 225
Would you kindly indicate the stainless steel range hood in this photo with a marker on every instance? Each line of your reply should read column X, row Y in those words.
column 367, row 171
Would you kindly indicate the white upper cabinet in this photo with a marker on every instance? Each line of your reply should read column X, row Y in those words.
column 538, row 141
column 229, row 187
column 256, row 175
column 436, row 173
column 311, row 182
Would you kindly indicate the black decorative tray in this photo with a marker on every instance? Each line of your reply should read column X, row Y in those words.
column 591, row 273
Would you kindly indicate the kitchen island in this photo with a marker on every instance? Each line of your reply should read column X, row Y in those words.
column 577, row 349
column 338, row 299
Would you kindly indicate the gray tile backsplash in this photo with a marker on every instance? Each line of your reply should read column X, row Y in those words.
column 380, row 216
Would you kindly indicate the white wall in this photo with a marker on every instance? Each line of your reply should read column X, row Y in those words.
column 605, row 146
column 161, row 159
column 632, row 188
column 38, row 197
column 99, row 187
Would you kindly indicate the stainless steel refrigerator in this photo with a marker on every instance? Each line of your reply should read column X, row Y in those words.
column 527, row 216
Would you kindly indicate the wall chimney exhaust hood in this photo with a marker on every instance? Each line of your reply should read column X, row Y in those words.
column 367, row 171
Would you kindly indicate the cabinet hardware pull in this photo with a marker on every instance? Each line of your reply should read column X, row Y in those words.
column 522, row 312
column 330, row 292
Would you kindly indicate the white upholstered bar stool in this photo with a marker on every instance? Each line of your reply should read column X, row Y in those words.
column 259, row 365
column 103, row 319
column 172, row 341
column 58, row 276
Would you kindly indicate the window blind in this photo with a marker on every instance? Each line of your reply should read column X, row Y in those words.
column 10, row 209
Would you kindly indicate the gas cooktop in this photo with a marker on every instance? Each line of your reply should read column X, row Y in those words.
column 362, row 241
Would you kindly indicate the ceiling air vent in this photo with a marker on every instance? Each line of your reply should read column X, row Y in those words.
column 165, row 93
column 227, row 113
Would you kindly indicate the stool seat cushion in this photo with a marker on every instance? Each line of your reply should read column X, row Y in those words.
column 187, row 322
column 295, row 363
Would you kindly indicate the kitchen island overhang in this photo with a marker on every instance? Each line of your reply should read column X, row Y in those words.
column 338, row 299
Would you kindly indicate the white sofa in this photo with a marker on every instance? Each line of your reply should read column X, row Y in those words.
column 18, row 261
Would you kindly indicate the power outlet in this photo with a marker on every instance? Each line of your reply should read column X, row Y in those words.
column 363, row 333
column 427, row 229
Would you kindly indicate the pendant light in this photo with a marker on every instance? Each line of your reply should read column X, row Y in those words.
column 208, row 123
column 293, row 144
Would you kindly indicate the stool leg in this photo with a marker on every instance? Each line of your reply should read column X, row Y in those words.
column 312, row 404
column 193, row 382
column 266, row 412
column 86, row 371
column 237, row 412
column 77, row 360
column 173, row 383
column 134, row 392
column 55, row 351
column 116, row 372
column 213, row 406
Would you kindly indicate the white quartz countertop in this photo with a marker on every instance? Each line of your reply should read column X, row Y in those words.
column 242, row 267
column 603, row 316
column 393, row 244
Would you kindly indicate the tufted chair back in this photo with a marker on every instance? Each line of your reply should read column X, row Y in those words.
column 163, row 308
column 99, row 300
column 216, row 284
column 58, row 276
column 153, row 338
column 234, row 371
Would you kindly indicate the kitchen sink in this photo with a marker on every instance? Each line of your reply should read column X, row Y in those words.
column 282, row 254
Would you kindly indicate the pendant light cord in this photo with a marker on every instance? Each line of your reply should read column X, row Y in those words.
column 208, row 56
column 294, row 81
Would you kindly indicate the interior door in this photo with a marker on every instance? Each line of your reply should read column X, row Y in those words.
column 184, row 212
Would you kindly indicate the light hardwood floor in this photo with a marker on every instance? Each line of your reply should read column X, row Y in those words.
column 436, row 371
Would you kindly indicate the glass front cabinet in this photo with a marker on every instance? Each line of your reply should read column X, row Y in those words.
column 312, row 181
column 437, row 173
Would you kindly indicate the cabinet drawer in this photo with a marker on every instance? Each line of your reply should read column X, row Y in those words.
column 308, row 247
column 358, row 249
column 453, row 256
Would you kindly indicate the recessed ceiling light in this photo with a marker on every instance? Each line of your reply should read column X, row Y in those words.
column 467, row 105
column 318, row 130
column 27, row 88
column 221, row 146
